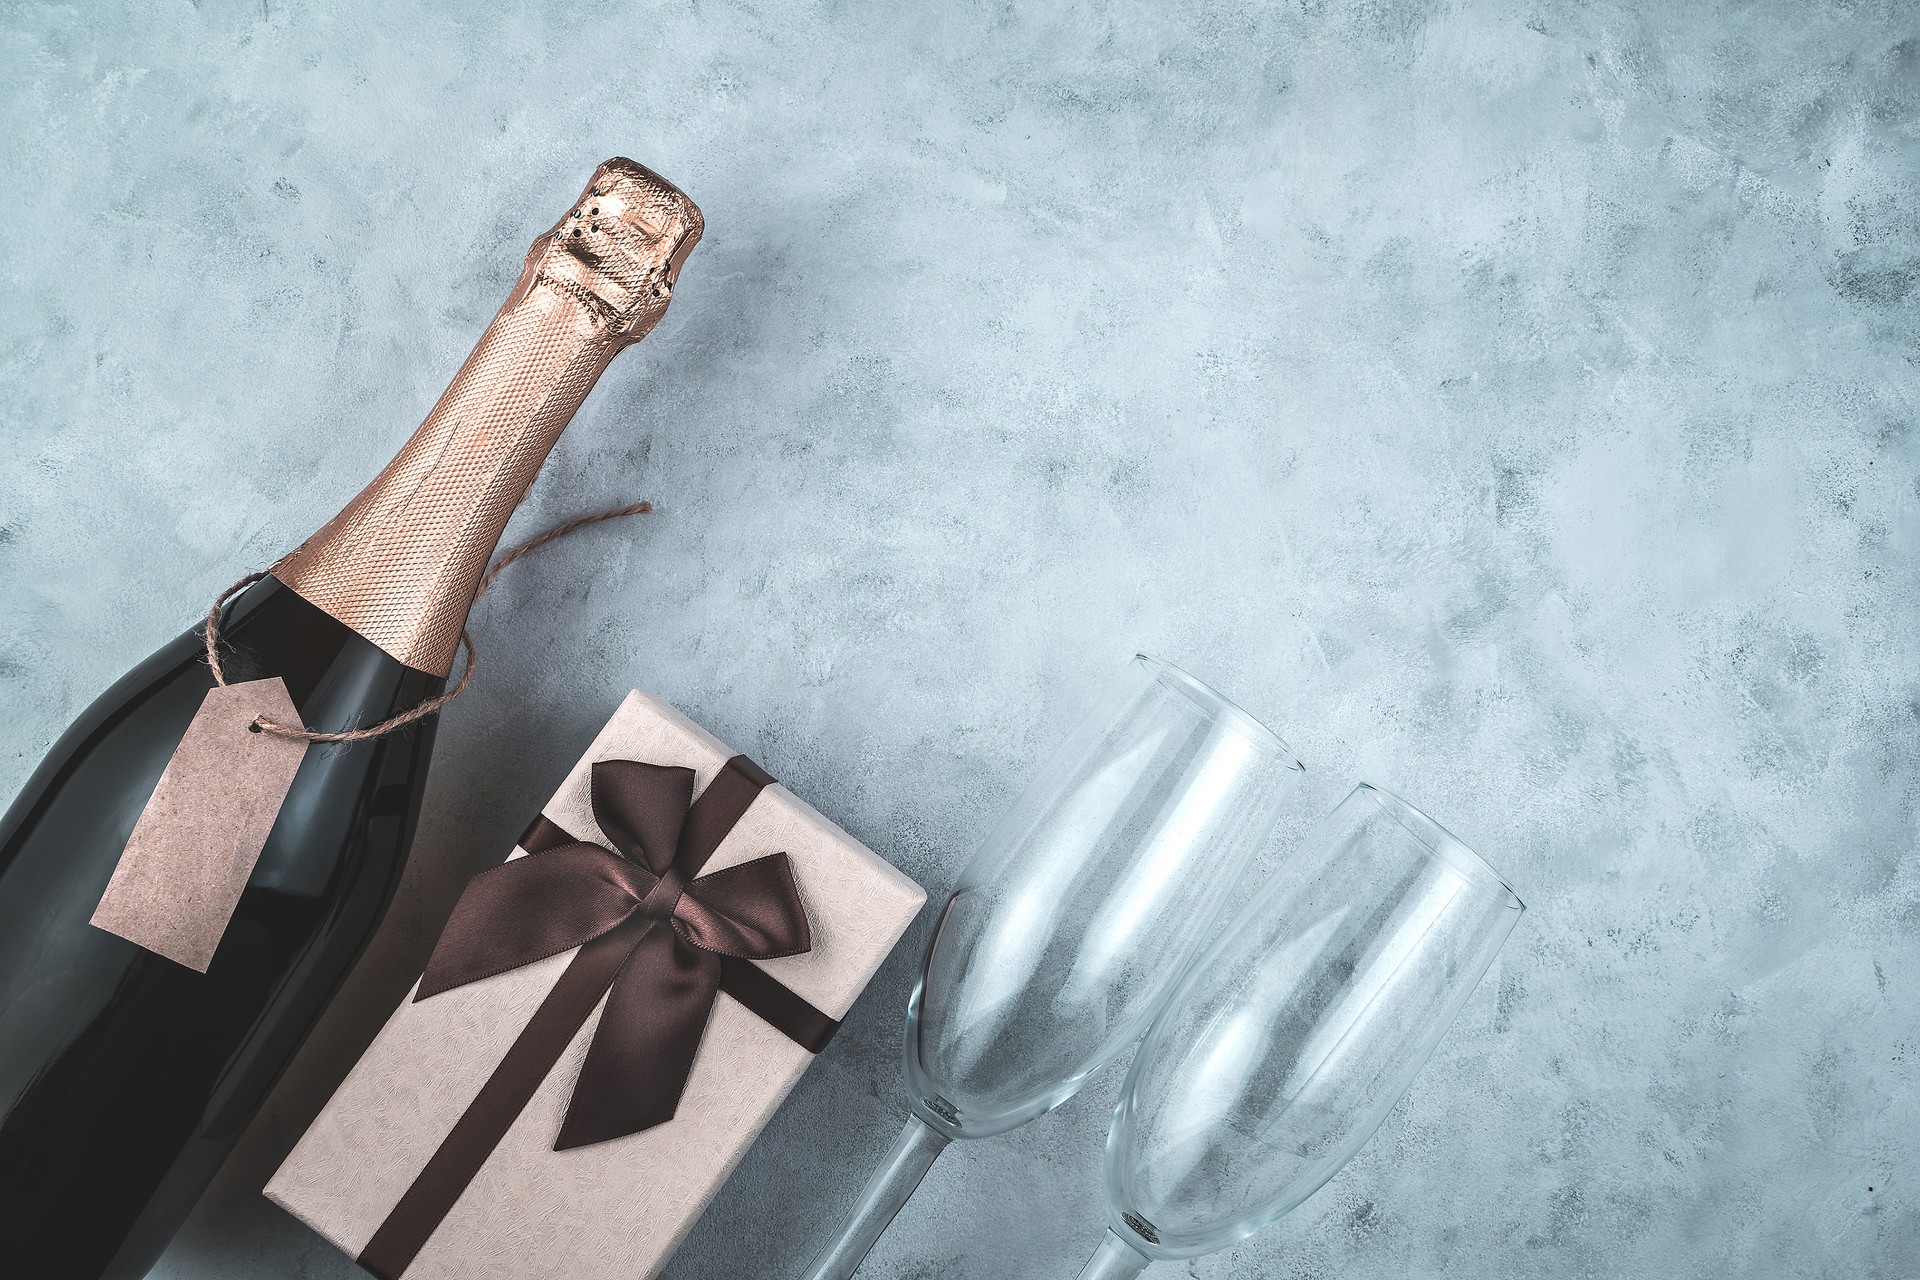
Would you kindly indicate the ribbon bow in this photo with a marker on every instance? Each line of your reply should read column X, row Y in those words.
column 660, row 983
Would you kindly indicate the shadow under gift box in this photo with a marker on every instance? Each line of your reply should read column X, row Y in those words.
column 619, row 1207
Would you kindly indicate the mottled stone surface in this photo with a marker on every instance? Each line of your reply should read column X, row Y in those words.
column 1515, row 404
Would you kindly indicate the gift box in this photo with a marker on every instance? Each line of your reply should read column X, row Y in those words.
column 608, row 1021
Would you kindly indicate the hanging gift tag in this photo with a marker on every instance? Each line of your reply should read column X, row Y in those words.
column 197, row 840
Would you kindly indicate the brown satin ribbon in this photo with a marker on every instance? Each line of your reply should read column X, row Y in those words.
column 659, row 984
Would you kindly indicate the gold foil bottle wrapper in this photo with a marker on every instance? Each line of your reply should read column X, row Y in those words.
column 401, row 562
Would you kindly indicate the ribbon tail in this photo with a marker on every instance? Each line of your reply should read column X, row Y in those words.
column 644, row 1047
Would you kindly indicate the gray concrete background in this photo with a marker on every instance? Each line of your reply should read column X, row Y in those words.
column 1513, row 403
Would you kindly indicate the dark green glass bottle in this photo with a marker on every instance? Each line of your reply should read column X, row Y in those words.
column 126, row 1078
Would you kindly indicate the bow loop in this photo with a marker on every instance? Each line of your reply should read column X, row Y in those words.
column 531, row 908
column 566, row 892
column 641, row 808
column 751, row 911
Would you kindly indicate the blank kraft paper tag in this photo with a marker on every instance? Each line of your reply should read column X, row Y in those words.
column 197, row 840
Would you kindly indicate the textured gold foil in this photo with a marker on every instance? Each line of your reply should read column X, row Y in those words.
column 400, row 564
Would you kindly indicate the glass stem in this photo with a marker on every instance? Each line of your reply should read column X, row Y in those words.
column 914, row 1152
column 1115, row 1259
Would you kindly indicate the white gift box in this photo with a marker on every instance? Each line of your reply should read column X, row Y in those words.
column 613, row 1208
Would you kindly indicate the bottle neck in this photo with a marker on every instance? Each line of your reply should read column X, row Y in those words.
column 401, row 563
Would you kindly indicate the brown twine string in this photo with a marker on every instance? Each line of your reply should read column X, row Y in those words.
column 431, row 705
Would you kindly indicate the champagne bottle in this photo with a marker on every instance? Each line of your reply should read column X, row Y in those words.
column 125, row 1078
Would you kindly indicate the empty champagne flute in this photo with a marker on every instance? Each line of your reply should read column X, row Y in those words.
column 1075, row 919
column 1287, row 1043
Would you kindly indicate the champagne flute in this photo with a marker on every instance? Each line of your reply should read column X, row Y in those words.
column 1075, row 919
column 1288, row 1042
